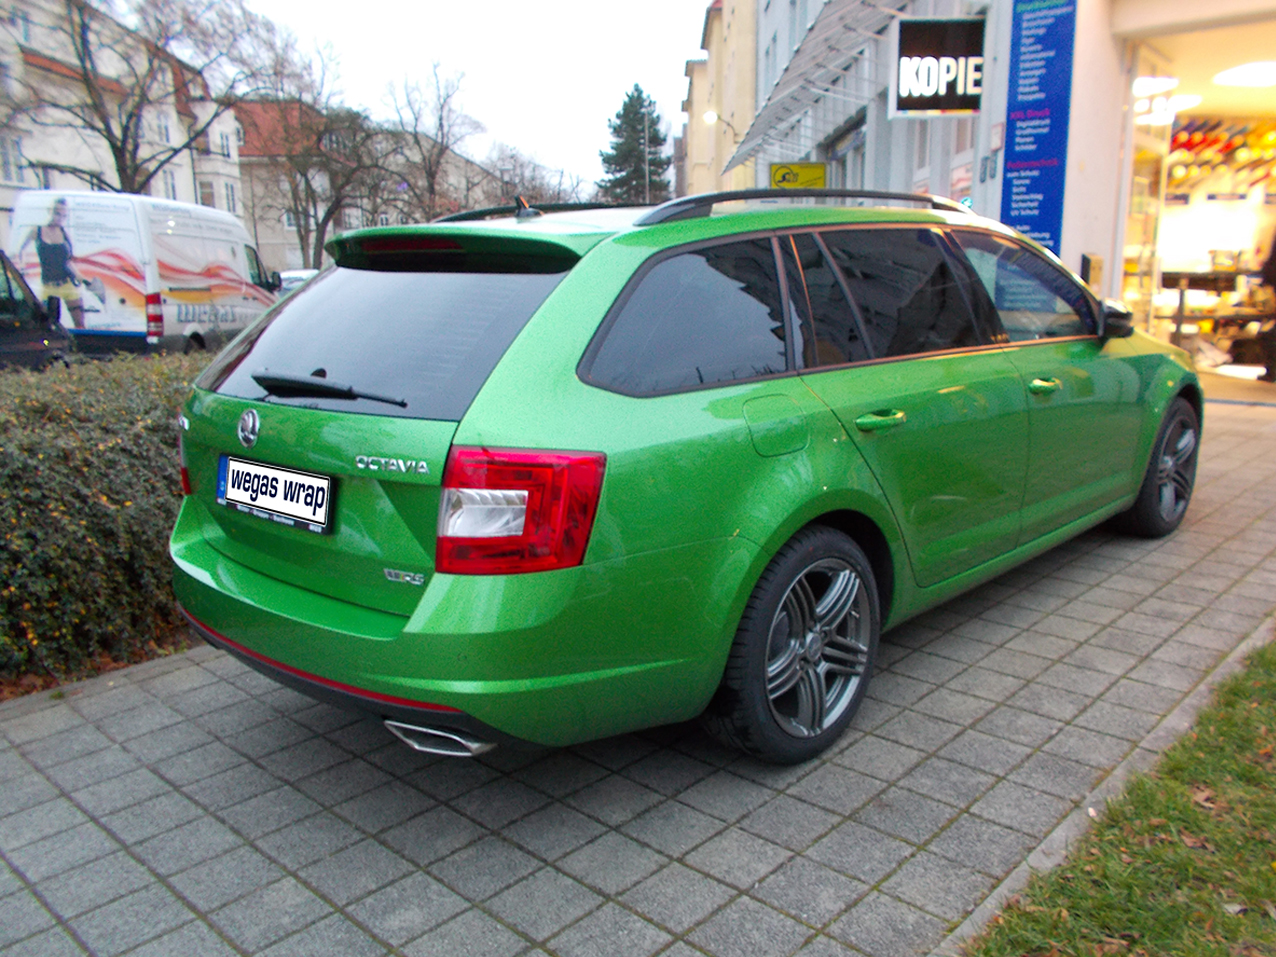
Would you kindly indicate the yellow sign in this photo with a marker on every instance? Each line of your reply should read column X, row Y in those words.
column 797, row 175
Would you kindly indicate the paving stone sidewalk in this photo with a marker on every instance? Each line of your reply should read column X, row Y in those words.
column 190, row 806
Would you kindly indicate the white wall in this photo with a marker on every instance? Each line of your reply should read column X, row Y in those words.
column 1140, row 19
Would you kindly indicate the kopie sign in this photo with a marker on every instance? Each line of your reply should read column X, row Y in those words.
column 938, row 67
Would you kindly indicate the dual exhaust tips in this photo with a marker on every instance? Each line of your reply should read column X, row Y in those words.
column 443, row 741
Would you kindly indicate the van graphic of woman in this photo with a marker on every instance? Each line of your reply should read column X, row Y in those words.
column 53, row 246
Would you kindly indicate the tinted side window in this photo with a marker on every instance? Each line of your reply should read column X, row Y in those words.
column 1033, row 299
column 697, row 318
column 838, row 338
column 905, row 290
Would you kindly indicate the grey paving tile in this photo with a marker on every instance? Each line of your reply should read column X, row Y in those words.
column 1050, row 702
column 269, row 914
column 120, row 792
column 1083, row 681
column 343, row 781
column 897, row 689
column 672, row 828
column 195, row 939
column 1024, row 809
column 968, row 651
column 906, row 814
column 38, row 822
column 1056, row 775
column 54, row 942
column 62, row 851
column 938, row 885
column 210, row 697
column 384, row 806
column 544, row 903
column 214, row 883
column 1064, row 627
column 359, row 737
column 176, row 739
column 726, row 796
column 789, row 822
column 1087, row 608
column 677, row 897
column 611, row 864
column 185, row 677
column 553, row 831
column 667, row 773
column 919, row 731
column 230, row 787
column 738, row 858
column 1205, row 637
column 1041, row 644
column 92, row 885
column 269, row 812
column 872, row 714
column 408, row 908
column 49, row 720
column 947, row 781
column 882, row 926
column 127, row 725
column 186, row 846
column 836, row 788
column 90, row 769
column 880, row 757
column 1019, row 726
column 860, row 852
column 238, row 717
column 27, row 791
column 75, row 742
column 132, row 920
column 1186, row 654
column 445, row 780
column 197, row 763
column 496, row 804
column 300, row 760
column 934, row 669
column 560, row 773
column 748, row 928
column 1111, row 598
column 484, row 868
column 94, row 707
column 431, row 836
column 809, row 892
column 358, row 870
column 21, row 915
column 610, row 931
column 473, row 932
column 1141, row 696
column 983, row 845
column 1129, row 642
column 332, row 935
column 979, row 681
column 1088, row 747
column 12, row 764
column 145, row 820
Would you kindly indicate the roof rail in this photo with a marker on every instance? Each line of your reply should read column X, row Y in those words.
column 691, row 207
column 521, row 210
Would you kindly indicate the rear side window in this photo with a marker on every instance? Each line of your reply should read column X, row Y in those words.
column 426, row 339
column 695, row 319
column 838, row 337
column 905, row 289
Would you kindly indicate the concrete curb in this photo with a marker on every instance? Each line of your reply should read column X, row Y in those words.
column 1052, row 851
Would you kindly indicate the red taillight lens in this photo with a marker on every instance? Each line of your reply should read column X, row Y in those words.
column 506, row 511
column 154, row 317
column 181, row 460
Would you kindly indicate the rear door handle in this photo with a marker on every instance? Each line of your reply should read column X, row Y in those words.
column 876, row 421
column 1044, row 386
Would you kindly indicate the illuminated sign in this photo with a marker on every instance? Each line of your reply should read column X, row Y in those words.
column 938, row 67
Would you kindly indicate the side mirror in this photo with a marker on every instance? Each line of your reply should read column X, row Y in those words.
column 275, row 282
column 1117, row 321
column 53, row 310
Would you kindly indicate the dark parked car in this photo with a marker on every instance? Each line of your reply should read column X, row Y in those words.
column 30, row 333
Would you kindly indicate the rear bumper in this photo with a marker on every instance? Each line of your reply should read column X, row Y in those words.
column 350, row 698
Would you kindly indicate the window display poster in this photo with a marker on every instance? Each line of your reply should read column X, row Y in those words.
column 1039, row 98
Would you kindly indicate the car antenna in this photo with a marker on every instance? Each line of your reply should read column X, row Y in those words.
column 522, row 210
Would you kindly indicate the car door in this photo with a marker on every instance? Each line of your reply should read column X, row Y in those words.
column 1083, row 397
column 934, row 407
column 26, row 338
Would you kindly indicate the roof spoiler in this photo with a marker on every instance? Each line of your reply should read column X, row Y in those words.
column 521, row 210
column 693, row 207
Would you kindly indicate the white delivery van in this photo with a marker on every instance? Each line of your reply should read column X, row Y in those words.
column 136, row 273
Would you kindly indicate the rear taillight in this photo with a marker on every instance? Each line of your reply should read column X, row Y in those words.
column 506, row 511
column 154, row 317
column 182, row 425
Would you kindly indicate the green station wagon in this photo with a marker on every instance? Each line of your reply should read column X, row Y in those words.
column 553, row 476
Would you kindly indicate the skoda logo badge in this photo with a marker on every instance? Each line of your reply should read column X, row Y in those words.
column 249, row 426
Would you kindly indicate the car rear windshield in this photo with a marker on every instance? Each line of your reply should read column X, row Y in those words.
column 407, row 344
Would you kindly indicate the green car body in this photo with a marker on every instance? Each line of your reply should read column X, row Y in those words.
column 945, row 468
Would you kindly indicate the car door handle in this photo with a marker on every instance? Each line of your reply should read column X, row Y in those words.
column 876, row 421
column 1044, row 386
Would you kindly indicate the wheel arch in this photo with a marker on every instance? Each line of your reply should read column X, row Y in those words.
column 865, row 533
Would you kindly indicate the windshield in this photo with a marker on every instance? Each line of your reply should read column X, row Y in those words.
column 429, row 339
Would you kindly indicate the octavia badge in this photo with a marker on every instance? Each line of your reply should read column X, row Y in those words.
column 249, row 426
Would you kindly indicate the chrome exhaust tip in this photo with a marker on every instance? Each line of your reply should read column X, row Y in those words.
column 438, row 740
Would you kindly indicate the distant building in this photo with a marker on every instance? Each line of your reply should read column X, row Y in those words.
column 721, row 91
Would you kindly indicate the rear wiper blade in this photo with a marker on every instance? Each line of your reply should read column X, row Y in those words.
column 295, row 386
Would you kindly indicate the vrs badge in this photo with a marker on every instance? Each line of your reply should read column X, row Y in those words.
column 249, row 426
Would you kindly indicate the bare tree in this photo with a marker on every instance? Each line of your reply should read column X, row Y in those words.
column 523, row 176
column 114, row 86
column 431, row 125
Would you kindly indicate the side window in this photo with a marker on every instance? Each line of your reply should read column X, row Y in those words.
column 14, row 305
column 698, row 318
column 838, row 336
column 1033, row 299
column 904, row 287
column 256, row 275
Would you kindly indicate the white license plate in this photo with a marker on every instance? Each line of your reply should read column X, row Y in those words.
column 300, row 499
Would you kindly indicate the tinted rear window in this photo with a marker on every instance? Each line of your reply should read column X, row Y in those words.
column 429, row 339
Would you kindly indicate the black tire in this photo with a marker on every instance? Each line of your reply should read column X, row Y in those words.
column 1171, row 474
column 797, row 672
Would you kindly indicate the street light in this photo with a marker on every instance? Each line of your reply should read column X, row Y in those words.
column 711, row 117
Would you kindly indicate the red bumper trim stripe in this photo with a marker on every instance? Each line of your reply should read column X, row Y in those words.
column 326, row 682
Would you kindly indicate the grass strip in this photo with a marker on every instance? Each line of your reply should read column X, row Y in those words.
column 1183, row 862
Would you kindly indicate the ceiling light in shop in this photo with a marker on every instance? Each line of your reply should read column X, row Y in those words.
column 1261, row 73
column 1155, row 118
column 1153, row 85
column 1183, row 101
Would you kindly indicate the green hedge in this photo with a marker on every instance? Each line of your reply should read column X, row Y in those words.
column 89, row 490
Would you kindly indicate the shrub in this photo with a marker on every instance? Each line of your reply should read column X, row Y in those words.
column 89, row 490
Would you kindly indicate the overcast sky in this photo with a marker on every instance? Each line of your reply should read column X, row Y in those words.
column 543, row 77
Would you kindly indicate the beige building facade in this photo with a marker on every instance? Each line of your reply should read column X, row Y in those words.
column 721, row 97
